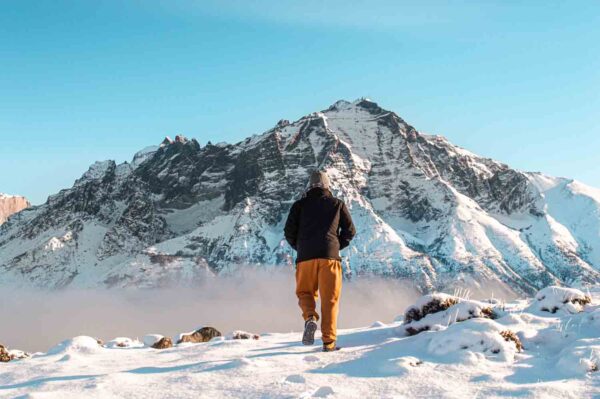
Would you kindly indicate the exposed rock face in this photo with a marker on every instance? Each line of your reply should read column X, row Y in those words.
column 204, row 334
column 426, row 211
column 11, row 204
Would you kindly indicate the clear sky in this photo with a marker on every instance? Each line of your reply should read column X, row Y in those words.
column 80, row 81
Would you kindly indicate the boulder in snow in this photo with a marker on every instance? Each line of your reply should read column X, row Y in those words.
column 4, row 356
column 163, row 343
column 569, row 300
column 203, row 334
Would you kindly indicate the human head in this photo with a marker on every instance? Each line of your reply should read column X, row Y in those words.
column 319, row 179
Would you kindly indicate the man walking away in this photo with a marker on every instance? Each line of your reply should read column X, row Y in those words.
column 318, row 227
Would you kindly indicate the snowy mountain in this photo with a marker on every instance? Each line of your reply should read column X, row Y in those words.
column 11, row 204
column 425, row 210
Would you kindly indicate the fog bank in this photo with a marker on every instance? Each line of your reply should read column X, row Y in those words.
column 253, row 300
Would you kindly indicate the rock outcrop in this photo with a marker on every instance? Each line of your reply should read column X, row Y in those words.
column 11, row 204
column 203, row 334
column 163, row 343
column 4, row 356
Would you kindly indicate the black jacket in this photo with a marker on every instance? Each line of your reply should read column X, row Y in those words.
column 319, row 226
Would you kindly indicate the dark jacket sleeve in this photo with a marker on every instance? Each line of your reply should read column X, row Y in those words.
column 347, row 230
column 292, row 224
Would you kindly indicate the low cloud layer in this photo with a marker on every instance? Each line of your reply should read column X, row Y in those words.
column 252, row 300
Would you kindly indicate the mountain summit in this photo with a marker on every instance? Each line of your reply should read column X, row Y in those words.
column 425, row 210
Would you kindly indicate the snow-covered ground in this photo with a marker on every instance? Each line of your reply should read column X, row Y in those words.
column 463, row 354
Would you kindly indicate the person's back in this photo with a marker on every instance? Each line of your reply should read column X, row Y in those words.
column 318, row 227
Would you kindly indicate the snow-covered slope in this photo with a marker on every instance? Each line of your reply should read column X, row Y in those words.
column 425, row 210
column 475, row 358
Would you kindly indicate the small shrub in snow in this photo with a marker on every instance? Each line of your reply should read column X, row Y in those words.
column 509, row 335
column 427, row 304
column 203, row 334
column 437, row 311
column 552, row 299
column 163, row 343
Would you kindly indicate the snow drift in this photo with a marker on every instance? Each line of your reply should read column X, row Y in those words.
column 468, row 358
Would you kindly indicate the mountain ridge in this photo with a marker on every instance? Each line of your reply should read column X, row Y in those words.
column 425, row 210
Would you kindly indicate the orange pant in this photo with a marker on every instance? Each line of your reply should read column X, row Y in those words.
column 320, row 277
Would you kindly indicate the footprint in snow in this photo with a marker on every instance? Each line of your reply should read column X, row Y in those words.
column 242, row 361
column 296, row 378
column 323, row 392
column 311, row 358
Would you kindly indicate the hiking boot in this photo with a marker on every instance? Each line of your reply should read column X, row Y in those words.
column 330, row 347
column 310, row 327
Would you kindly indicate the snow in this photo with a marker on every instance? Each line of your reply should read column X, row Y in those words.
column 561, row 358
column 580, row 358
column 79, row 345
column 478, row 336
column 553, row 299
column 123, row 342
column 151, row 339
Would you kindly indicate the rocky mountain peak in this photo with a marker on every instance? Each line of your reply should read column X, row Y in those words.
column 166, row 141
column 181, row 139
column 426, row 210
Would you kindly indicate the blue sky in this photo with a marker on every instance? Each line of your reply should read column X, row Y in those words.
column 82, row 81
